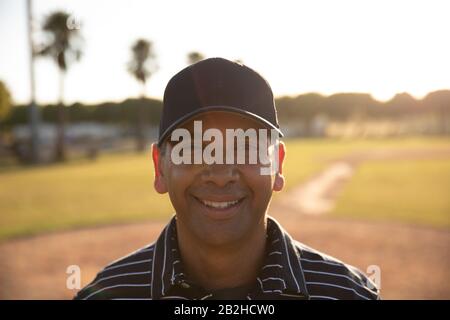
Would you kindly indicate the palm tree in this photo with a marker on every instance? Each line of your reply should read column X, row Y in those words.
column 194, row 57
column 63, row 44
column 142, row 66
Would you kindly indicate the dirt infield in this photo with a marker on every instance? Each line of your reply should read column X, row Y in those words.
column 317, row 195
column 414, row 261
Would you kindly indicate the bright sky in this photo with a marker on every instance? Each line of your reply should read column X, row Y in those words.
column 380, row 47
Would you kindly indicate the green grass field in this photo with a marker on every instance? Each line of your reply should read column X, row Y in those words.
column 416, row 192
column 306, row 157
column 113, row 189
column 119, row 188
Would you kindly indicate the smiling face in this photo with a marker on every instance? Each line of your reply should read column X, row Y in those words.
column 217, row 204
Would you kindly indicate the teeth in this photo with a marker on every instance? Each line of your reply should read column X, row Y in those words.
column 219, row 205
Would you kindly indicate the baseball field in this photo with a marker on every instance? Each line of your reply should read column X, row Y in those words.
column 391, row 209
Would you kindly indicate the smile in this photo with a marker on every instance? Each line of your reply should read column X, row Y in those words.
column 219, row 210
column 219, row 205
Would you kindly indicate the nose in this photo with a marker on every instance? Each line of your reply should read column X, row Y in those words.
column 220, row 174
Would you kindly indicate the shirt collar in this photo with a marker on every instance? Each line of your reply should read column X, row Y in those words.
column 281, row 271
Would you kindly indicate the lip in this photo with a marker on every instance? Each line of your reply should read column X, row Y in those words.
column 220, row 213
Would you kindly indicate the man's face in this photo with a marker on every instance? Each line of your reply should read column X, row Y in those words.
column 220, row 203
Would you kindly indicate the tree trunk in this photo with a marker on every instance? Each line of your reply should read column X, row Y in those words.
column 140, row 124
column 34, row 116
column 60, row 146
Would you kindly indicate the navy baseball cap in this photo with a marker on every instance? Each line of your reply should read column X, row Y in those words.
column 216, row 84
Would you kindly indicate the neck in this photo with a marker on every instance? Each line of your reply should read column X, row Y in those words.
column 223, row 266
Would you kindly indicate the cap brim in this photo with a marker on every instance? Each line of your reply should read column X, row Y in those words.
column 192, row 114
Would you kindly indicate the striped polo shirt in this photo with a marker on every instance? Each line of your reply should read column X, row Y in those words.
column 290, row 270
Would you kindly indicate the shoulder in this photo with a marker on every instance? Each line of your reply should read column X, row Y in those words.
column 126, row 278
column 329, row 278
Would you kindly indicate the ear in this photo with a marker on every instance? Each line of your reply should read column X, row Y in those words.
column 159, row 183
column 278, row 184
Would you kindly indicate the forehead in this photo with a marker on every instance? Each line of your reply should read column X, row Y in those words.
column 224, row 120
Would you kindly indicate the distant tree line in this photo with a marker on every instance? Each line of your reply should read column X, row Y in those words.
column 5, row 101
column 126, row 112
column 304, row 107
column 345, row 106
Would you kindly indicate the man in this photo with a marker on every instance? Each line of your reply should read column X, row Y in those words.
column 221, row 244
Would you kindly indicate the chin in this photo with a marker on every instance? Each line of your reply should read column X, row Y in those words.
column 220, row 235
column 218, row 241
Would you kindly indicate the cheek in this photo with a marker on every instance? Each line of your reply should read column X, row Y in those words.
column 260, row 185
column 178, row 179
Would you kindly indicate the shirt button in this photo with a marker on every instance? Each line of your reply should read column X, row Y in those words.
column 185, row 285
